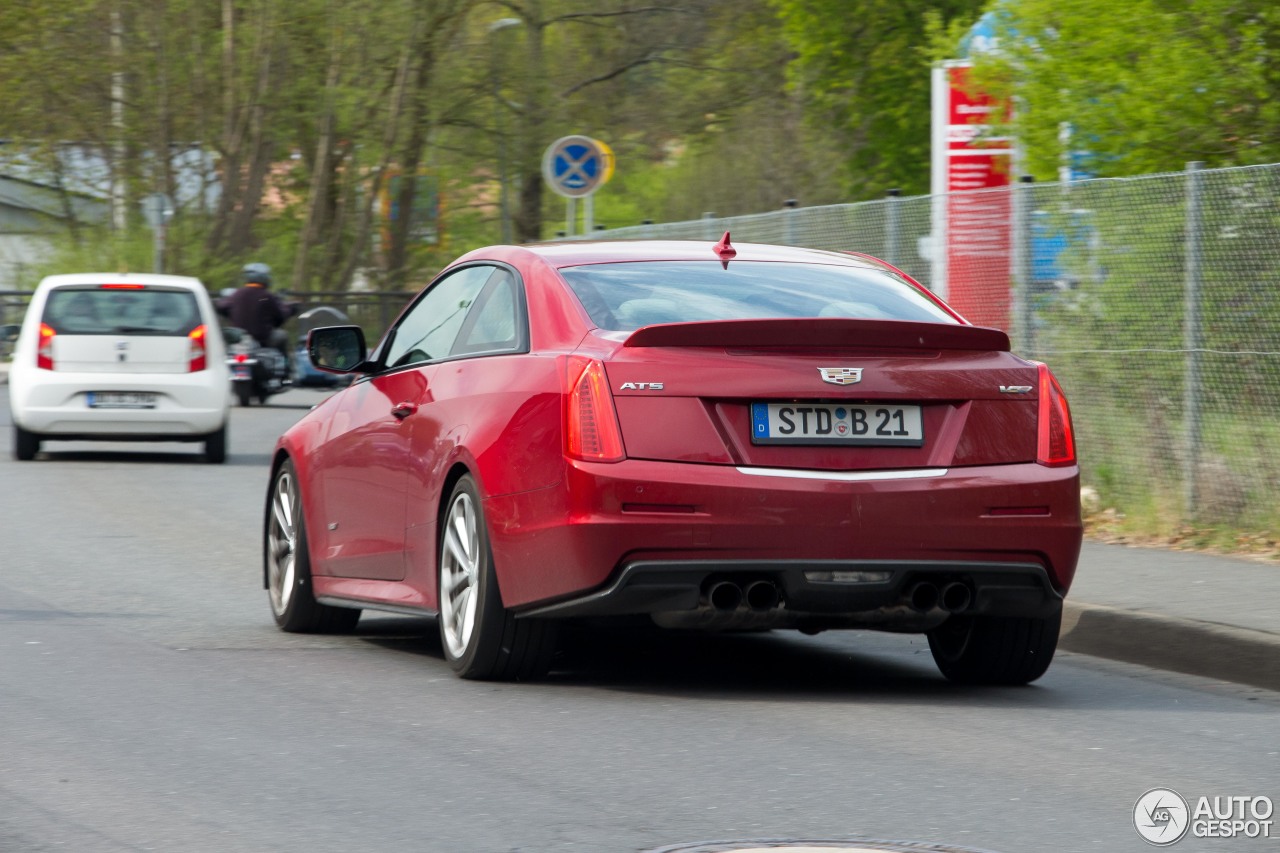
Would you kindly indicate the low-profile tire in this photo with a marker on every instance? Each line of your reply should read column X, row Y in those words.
column 995, row 649
column 215, row 446
column 26, row 444
column 244, row 394
column 480, row 637
column 288, row 564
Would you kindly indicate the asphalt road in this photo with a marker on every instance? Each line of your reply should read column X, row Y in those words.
column 147, row 702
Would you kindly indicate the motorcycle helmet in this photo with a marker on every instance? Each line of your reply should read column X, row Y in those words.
column 256, row 273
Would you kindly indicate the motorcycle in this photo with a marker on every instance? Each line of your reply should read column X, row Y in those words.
column 256, row 370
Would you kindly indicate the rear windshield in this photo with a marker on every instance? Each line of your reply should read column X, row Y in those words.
column 118, row 311
column 626, row 296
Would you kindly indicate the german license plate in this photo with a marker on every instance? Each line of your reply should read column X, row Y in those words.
column 122, row 400
column 865, row 424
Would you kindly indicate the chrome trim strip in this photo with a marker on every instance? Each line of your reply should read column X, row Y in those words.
column 845, row 476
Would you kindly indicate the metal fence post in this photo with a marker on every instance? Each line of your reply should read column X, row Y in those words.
column 1022, row 204
column 710, row 219
column 1193, row 342
column 789, row 221
column 891, row 228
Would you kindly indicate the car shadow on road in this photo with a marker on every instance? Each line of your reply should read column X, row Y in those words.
column 409, row 634
column 768, row 666
column 135, row 456
column 150, row 457
column 775, row 664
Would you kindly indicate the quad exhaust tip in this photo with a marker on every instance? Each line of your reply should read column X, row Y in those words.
column 724, row 595
column 758, row 595
column 923, row 596
column 762, row 595
column 954, row 597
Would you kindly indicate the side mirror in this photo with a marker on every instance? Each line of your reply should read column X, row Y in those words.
column 9, row 334
column 337, row 349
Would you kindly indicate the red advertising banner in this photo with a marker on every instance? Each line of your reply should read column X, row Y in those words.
column 978, row 209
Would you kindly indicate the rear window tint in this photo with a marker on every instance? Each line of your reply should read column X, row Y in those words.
column 109, row 311
column 626, row 296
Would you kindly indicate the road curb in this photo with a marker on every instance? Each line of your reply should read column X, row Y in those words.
column 1206, row 649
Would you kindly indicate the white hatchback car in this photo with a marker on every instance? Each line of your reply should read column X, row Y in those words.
column 120, row 357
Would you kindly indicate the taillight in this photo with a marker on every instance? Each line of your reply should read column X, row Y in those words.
column 198, row 359
column 44, row 347
column 591, row 422
column 1057, row 443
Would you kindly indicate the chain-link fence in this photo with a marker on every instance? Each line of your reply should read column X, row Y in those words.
column 1154, row 299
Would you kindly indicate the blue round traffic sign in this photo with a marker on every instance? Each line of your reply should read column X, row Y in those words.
column 577, row 166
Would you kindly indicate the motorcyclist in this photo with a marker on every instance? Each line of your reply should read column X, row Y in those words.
column 261, row 313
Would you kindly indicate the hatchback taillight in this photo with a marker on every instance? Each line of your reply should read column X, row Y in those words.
column 1056, row 445
column 591, row 422
column 44, row 347
column 199, row 360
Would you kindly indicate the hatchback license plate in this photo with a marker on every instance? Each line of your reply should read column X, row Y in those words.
column 122, row 400
column 836, row 423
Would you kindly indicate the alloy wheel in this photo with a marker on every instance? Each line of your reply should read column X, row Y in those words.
column 282, row 542
column 459, row 575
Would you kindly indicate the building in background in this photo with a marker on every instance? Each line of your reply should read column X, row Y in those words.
column 43, row 196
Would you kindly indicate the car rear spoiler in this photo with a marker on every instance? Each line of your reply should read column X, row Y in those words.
column 820, row 332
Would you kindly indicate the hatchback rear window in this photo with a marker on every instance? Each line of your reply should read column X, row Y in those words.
column 626, row 296
column 108, row 310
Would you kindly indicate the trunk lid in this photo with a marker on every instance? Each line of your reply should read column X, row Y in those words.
column 766, row 393
column 121, row 354
column 121, row 328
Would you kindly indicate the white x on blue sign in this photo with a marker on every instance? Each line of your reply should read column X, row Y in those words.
column 576, row 166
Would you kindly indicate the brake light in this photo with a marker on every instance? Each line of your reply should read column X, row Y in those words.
column 122, row 286
column 1057, row 443
column 44, row 347
column 199, row 361
column 591, row 422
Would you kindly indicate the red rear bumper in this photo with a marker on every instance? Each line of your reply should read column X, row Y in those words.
column 577, row 538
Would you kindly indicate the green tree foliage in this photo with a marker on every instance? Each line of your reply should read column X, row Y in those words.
column 731, row 106
column 309, row 107
column 1146, row 85
column 863, row 71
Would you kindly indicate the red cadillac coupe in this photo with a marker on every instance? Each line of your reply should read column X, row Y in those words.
column 717, row 437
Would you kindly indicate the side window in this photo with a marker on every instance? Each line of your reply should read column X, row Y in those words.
column 430, row 328
column 494, row 322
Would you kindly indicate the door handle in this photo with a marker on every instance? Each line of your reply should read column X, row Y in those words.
column 403, row 410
